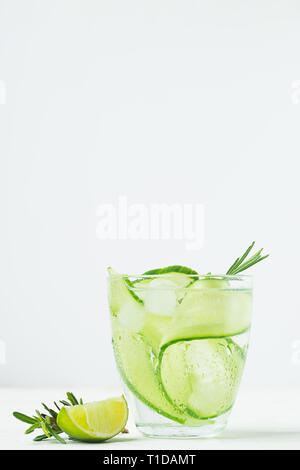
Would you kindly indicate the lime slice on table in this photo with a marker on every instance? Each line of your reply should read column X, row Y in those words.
column 95, row 421
column 179, row 277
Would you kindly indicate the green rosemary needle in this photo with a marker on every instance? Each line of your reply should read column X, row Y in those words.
column 47, row 422
column 241, row 264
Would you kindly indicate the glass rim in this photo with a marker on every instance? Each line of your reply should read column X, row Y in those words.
column 141, row 277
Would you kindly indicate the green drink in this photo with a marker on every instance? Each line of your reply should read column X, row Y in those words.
column 180, row 342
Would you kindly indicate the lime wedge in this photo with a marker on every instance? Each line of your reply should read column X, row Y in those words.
column 95, row 421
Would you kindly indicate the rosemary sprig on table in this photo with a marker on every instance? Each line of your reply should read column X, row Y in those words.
column 47, row 422
column 241, row 264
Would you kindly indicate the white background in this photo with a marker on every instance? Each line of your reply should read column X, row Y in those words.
column 162, row 101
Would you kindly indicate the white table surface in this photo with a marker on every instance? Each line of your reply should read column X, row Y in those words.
column 262, row 418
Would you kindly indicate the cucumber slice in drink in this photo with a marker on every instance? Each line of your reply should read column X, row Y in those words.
column 199, row 365
column 201, row 377
column 137, row 366
column 135, row 356
column 174, row 269
column 124, row 304
column 206, row 312
column 154, row 329
column 176, row 280
column 118, row 289
column 173, row 355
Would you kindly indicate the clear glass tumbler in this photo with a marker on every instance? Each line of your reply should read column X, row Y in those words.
column 180, row 348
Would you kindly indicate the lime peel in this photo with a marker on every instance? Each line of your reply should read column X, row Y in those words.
column 95, row 421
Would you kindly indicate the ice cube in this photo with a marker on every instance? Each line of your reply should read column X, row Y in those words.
column 160, row 297
column 132, row 317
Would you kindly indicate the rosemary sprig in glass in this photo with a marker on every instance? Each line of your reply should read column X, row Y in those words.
column 242, row 263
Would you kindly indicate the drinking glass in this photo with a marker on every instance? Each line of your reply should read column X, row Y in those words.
column 180, row 346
